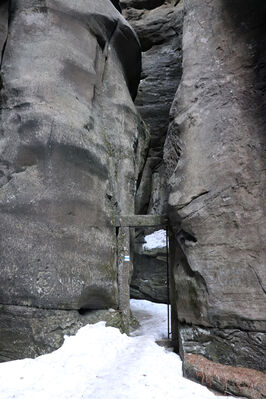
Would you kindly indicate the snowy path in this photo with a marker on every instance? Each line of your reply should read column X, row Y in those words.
column 101, row 363
column 152, row 318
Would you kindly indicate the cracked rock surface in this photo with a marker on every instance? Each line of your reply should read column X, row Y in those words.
column 71, row 149
column 215, row 164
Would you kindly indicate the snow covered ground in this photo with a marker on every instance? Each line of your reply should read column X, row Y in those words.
column 152, row 318
column 155, row 240
column 101, row 363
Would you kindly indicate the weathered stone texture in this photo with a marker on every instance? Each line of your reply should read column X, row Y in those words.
column 3, row 25
column 215, row 165
column 71, row 143
column 159, row 28
column 149, row 278
column 29, row 332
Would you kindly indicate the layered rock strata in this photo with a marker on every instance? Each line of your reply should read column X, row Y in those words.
column 215, row 164
column 71, row 149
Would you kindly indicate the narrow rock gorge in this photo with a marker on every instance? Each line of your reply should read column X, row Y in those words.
column 158, row 25
column 213, row 175
column 134, row 107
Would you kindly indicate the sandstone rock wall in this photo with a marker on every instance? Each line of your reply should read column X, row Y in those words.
column 216, row 173
column 71, row 144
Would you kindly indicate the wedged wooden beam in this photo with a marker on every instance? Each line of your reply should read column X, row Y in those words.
column 141, row 221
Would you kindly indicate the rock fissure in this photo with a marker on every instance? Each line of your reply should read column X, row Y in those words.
column 80, row 311
column 231, row 329
column 4, row 28
column 194, row 197
column 2, row 57
column 208, row 201
column 257, row 277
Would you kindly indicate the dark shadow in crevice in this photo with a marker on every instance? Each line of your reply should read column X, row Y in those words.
column 142, row 4
column 248, row 20
column 85, row 311
column 116, row 3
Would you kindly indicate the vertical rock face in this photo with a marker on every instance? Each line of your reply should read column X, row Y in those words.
column 70, row 145
column 214, row 155
column 159, row 28
column 3, row 25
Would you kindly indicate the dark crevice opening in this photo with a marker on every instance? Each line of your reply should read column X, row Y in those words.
column 140, row 4
column 85, row 311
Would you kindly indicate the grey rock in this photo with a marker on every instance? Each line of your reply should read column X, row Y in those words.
column 159, row 28
column 3, row 25
column 227, row 346
column 116, row 3
column 215, row 167
column 160, row 34
column 149, row 279
column 72, row 147
column 30, row 332
column 132, row 5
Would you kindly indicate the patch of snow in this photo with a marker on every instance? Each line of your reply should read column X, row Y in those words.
column 152, row 318
column 101, row 363
column 155, row 240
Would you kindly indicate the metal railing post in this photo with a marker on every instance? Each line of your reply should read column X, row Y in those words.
column 168, row 285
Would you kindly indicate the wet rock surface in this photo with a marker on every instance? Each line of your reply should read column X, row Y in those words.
column 215, row 165
column 71, row 150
